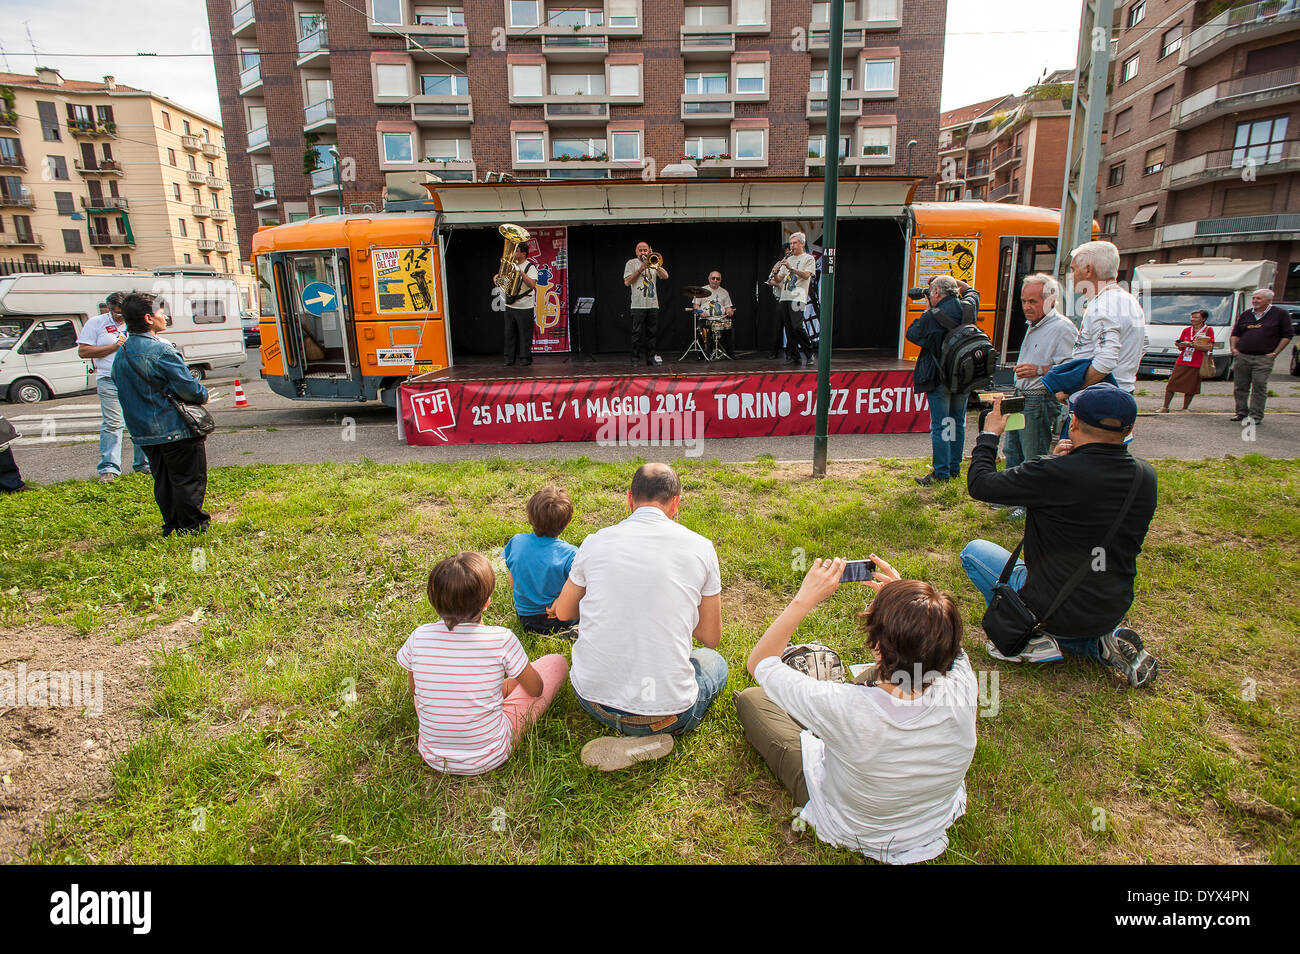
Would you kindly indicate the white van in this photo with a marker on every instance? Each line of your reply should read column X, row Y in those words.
column 41, row 316
column 1170, row 293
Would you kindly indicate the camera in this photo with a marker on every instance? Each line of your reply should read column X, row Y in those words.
column 917, row 294
column 1013, row 407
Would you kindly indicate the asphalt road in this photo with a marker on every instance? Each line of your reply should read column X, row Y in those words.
column 60, row 439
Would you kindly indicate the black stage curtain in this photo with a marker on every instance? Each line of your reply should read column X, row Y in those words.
column 868, row 283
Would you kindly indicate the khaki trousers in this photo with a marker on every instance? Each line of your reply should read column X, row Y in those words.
column 775, row 736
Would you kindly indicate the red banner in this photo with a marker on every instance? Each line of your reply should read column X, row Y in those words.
column 549, row 251
column 657, row 411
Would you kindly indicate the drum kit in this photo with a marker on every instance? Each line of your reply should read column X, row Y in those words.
column 709, row 326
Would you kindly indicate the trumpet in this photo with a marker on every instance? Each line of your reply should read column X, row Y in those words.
column 654, row 260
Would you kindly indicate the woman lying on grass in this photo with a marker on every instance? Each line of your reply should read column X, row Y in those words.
column 476, row 693
column 878, row 767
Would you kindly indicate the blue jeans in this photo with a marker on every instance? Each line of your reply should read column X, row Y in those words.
column 983, row 562
column 947, row 420
column 110, row 431
column 710, row 676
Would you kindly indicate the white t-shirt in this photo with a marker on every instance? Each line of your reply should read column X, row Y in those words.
column 644, row 579
column 100, row 331
column 644, row 289
column 885, row 776
column 458, row 675
column 794, row 288
column 529, row 300
column 715, row 304
column 1113, row 334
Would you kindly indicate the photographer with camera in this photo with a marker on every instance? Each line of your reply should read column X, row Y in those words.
column 952, row 303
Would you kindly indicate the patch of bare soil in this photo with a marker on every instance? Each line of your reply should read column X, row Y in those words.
column 69, row 706
column 1150, row 834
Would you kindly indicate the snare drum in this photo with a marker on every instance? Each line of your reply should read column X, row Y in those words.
column 719, row 325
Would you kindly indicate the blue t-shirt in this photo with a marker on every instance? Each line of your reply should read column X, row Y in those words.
column 539, row 567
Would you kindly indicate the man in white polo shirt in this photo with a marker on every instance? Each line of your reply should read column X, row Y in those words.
column 100, row 338
column 644, row 589
column 1114, row 330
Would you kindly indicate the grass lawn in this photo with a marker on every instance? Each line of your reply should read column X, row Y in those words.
column 248, row 748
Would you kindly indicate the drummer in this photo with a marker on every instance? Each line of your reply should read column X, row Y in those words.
column 717, row 305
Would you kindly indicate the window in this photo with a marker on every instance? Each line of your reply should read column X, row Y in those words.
column 72, row 241
column 310, row 23
column 107, row 260
column 444, row 84
column 524, row 13
column 878, row 76
column 1136, row 12
column 203, row 230
column 1129, row 69
column 701, row 146
column 194, row 166
column 1116, row 176
column 528, row 147
column 49, row 117
column 1171, row 40
column 398, row 148
column 391, row 81
column 180, row 226
column 126, row 260
column 577, row 148
column 171, row 156
column 442, row 16
column 185, row 124
column 1146, row 215
column 817, row 147
column 750, row 143
column 167, row 120
column 386, row 11
column 625, row 80
column 212, row 171
column 1123, row 121
column 622, row 13
column 1259, row 141
column 818, row 81
column 176, row 191
column 1163, row 101
column 751, row 12
column 576, row 17
column 751, row 78
column 208, row 311
column 188, row 258
column 707, row 16
column 698, row 84
column 526, row 80
column 451, row 150
column 1110, row 223
column 625, row 146
column 1154, row 162
column 877, row 141
column 580, row 84
column 56, row 167
column 63, row 201
column 50, row 336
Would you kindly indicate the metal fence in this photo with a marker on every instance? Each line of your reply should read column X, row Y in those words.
column 12, row 266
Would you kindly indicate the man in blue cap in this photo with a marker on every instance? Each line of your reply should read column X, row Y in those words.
column 1073, row 500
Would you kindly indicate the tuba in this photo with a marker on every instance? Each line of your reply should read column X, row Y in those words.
column 509, row 278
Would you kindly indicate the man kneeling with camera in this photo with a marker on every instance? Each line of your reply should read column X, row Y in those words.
column 1089, row 507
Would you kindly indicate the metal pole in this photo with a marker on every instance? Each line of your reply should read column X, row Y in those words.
column 830, row 209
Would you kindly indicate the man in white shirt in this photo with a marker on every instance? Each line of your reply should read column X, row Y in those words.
column 1114, row 329
column 639, row 276
column 791, row 277
column 521, row 314
column 644, row 589
column 100, row 338
column 1048, row 340
column 717, row 304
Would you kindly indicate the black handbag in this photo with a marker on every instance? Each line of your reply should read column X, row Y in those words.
column 196, row 417
column 1008, row 622
column 8, row 433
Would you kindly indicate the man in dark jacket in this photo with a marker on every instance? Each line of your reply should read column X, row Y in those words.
column 947, row 410
column 1072, row 498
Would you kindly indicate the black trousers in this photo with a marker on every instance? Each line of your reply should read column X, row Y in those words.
column 180, row 479
column 796, row 341
column 10, row 479
column 519, row 334
column 645, row 323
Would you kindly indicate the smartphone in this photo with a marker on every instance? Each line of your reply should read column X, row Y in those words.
column 858, row 571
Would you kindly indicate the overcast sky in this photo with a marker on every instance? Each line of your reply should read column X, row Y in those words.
column 993, row 46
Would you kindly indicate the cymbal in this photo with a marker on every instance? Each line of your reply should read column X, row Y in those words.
column 695, row 291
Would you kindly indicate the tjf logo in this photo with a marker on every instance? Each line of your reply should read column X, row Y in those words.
column 432, row 412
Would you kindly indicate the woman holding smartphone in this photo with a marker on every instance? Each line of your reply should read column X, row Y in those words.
column 1194, row 344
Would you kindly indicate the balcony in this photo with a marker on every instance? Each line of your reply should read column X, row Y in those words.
column 850, row 105
column 206, row 244
column 103, row 167
column 222, row 246
column 250, row 77
column 707, row 41
column 314, row 48
column 1000, row 160
column 1250, row 92
column 1008, row 190
column 324, row 181
column 978, row 170
column 440, row 110
column 20, row 198
column 576, row 109
column 191, row 143
column 264, row 196
column 1264, row 160
column 212, row 150
column 953, row 147
column 100, row 203
column 258, row 139
column 1255, row 21
column 13, row 159
column 92, row 129
column 1281, row 226
column 242, row 20
column 319, row 117
column 22, row 240
column 195, row 176
column 200, row 211
column 436, row 41
column 215, row 182
column 219, row 215
column 8, row 120
column 978, row 140
column 571, row 46
column 108, row 240
column 819, row 38
column 708, row 107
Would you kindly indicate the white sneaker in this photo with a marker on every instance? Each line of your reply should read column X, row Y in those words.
column 1040, row 649
column 658, row 360
column 613, row 752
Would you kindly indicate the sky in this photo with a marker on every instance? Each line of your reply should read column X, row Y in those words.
column 993, row 47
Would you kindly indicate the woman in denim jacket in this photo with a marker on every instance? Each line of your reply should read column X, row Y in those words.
column 148, row 370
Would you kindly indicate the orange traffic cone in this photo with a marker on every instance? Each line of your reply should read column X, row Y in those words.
column 240, row 400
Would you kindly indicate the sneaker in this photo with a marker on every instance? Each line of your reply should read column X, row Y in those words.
column 1237, row 417
column 612, row 752
column 930, row 479
column 1122, row 650
column 1040, row 649
column 658, row 360
column 107, row 477
column 1017, row 513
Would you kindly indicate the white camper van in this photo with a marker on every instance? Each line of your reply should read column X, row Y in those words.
column 1170, row 293
column 41, row 316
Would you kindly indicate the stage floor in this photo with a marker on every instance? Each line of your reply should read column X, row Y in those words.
column 580, row 365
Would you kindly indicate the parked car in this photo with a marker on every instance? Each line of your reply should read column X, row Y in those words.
column 252, row 333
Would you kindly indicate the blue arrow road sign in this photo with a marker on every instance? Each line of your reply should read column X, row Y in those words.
column 318, row 297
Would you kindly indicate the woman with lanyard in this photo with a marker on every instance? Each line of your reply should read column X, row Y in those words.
column 1194, row 345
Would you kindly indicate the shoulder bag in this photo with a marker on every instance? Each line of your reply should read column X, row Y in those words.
column 1008, row 622
column 1207, row 369
column 196, row 417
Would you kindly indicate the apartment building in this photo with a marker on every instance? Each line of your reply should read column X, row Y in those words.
column 1201, row 157
column 1008, row 149
column 102, row 174
column 326, row 99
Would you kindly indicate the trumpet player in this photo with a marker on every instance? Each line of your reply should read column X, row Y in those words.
column 790, row 277
column 521, row 313
column 641, row 274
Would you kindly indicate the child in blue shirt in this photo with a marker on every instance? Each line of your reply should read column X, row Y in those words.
column 539, row 562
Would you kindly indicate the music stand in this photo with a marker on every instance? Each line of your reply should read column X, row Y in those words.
column 583, row 307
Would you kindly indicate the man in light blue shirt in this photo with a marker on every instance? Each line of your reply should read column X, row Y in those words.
column 1049, row 340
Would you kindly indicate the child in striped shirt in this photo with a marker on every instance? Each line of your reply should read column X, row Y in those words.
column 476, row 693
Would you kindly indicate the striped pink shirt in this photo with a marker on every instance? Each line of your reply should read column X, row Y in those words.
column 458, row 675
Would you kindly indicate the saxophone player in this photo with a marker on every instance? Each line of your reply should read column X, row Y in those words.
column 641, row 274
column 521, row 312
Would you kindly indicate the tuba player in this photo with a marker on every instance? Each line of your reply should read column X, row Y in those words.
column 521, row 312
